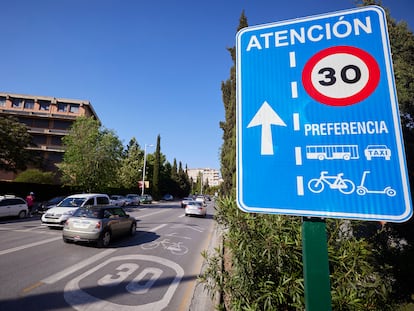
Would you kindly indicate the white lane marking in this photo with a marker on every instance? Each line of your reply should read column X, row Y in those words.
column 158, row 212
column 82, row 301
column 60, row 275
column 159, row 227
column 19, row 248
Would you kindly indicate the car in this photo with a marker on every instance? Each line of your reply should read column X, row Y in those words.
column 146, row 199
column 134, row 199
column 185, row 201
column 56, row 216
column 118, row 200
column 377, row 151
column 195, row 208
column 45, row 205
column 200, row 198
column 11, row 205
column 98, row 224
column 168, row 197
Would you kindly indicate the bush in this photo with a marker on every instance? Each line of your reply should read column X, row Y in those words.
column 260, row 267
column 35, row 176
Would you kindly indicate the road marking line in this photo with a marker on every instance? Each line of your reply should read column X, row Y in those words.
column 147, row 215
column 19, row 248
column 60, row 275
column 159, row 227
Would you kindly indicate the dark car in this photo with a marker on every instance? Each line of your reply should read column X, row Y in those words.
column 45, row 205
column 146, row 199
column 98, row 224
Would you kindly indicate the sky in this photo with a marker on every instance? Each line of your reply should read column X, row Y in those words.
column 148, row 67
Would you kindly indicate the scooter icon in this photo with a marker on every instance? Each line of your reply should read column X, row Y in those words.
column 362, row 190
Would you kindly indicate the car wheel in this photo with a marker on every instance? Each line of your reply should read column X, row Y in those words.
column 133, row 229
column 66, row 240
column 22, row 214
column 104, row 239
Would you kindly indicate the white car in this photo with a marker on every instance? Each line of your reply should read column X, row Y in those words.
column 195, row 208
column 118, row 200
column 11, row 205
column 56, row 216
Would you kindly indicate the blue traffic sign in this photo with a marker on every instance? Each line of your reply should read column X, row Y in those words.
column 318, row 125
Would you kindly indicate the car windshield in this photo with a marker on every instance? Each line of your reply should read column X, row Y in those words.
column 71, row 202
column 87, row 212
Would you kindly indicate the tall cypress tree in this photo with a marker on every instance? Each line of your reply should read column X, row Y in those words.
column 156, row 172
column 228, row 149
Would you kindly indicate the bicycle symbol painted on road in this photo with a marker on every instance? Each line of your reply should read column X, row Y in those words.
column 336, row 182
column 176, row 248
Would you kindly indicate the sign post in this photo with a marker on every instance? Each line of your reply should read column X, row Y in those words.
column 318, row 125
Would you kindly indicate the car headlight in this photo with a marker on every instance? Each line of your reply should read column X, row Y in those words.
column 68, row 213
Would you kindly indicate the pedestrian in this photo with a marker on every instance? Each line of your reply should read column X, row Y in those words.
column 30, row 202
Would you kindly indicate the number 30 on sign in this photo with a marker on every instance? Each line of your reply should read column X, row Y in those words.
column 340, row 76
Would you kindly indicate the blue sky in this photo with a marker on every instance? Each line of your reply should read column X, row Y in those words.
column 148, row 68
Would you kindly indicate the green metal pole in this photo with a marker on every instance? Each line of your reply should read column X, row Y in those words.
column 316, row 265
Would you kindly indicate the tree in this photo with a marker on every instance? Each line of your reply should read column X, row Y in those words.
column 13, row 143
column 228, row 149
column 132, row 162
column 156, row 171
column 92, row 156
column 35, row 176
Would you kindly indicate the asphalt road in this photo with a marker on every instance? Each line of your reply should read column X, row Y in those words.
column 156, row 269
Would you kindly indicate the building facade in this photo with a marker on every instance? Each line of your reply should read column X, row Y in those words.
column 209, row 175
column 48, row 120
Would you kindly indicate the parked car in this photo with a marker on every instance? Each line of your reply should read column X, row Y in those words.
column 98, row 224
column 146, row 199
column 11, row 205
column 195, row 208
column 118, row 200
column 168, row 197
column 56, row 216
column 134, row 199
column 185, row 201
column 45, row 205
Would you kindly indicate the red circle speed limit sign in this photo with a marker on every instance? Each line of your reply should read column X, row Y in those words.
column 340, row 76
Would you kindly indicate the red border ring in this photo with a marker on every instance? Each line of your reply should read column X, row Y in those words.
column 373, row 80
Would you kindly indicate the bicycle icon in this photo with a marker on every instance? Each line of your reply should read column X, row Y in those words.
column 176, row 248
column 336, row 182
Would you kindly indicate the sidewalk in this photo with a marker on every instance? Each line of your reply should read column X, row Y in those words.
column 201, row 299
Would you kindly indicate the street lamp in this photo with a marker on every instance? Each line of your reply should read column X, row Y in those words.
column 143, row 170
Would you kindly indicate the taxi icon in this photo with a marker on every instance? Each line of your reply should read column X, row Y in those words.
column 377, row 151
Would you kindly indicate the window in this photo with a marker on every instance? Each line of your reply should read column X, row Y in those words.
column 2, row 101
column 56, row 141
column 102, row 200
column 89, row 202
column 41, row 123
column 62, row 107
column 16, row 103
column 74, row 108
column 39, row 140
column 29, row 104
column 61, row 125
column 44, row 105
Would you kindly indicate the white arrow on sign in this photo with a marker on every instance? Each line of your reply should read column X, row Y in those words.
column 265, row 117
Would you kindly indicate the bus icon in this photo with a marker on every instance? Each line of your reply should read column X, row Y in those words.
column 332, row 152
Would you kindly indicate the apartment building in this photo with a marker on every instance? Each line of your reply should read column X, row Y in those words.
column 209, row 175
column 48, row 120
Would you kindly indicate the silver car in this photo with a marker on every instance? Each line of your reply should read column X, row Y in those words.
column 98, row 224
column 195, row 208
